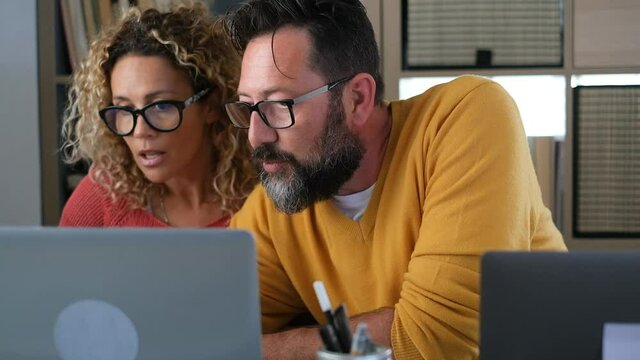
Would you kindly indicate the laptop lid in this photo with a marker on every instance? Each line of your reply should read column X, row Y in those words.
column 554, row 305
column 71, row 293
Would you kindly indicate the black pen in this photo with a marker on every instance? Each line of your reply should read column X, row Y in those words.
column 343, row 330
column 329, row 338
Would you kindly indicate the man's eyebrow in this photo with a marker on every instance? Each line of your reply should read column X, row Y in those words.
column 264, row 94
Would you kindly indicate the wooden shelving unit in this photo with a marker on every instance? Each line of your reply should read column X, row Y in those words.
column 53, row 77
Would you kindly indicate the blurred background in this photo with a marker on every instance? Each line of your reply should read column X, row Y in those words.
column 572, row 66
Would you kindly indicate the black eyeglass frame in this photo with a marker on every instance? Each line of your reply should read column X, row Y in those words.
column 180, row 105
column 288, row 102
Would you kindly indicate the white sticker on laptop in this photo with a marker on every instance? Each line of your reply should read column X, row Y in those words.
column 621, row 341
column 93, row 329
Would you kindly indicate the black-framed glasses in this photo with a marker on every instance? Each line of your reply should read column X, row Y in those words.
column 276, row 114
column 164, row 115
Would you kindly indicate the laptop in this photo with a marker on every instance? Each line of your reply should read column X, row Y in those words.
column 554, row 305
column 103, row 294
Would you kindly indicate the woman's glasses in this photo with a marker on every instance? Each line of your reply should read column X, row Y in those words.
column 164, row 115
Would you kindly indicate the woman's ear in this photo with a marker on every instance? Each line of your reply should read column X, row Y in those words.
column 360, row 98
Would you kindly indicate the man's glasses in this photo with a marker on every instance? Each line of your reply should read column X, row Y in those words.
column 164, row 115
column 276, row 114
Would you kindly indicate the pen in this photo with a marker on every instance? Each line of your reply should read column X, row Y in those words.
column 323, row 299
column 329, row 338
column 338, row 319
column 341, row 321
column 361, row 342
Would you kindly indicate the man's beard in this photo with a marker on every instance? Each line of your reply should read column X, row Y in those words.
column 334, row 158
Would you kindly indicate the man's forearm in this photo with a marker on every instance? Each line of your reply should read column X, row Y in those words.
column 303, row 343
column 300, row 343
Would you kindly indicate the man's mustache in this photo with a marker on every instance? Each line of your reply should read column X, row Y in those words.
column 268, row 152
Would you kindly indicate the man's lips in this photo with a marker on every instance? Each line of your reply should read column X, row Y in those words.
column 272, row 166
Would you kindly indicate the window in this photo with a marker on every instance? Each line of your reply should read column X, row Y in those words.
column 528, row 91
column 481, row 33
column 606, row 160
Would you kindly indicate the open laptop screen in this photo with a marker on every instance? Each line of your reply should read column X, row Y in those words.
column 554, row 305
column 128, row 294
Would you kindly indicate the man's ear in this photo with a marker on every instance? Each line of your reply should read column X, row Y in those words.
column 360, row 98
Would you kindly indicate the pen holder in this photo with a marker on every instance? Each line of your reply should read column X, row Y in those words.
column 379, row 353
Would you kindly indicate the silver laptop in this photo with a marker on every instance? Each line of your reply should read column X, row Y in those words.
column 543, row 305
column 124, row 294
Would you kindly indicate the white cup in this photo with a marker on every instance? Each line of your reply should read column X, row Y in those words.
column 380, row 353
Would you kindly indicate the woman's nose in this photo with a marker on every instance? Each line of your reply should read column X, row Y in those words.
column 141, row 127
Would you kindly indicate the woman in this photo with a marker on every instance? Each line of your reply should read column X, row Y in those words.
column 145, row 112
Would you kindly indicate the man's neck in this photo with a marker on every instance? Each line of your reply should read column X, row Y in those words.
column 374, row 137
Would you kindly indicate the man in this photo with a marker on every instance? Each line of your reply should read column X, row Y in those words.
column 391, row 205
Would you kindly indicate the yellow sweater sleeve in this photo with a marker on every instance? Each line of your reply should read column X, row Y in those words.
column 481, row 194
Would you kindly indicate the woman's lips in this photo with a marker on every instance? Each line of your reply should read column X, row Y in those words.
column 151, row 158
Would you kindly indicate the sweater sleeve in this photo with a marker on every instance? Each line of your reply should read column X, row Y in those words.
column 86, row 206
column 481, row 194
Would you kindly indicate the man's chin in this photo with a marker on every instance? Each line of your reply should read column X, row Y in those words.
column 290, row 207
column 286, row 192
column 283, row 175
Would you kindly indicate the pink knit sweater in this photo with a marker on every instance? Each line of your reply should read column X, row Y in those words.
column 91, row 206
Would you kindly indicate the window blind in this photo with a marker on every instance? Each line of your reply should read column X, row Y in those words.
column 606, row 160
column 482, row 33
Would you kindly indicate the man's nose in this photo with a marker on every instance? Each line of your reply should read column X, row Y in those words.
column 259, row 132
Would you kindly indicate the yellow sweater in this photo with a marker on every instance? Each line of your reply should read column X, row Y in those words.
column 457, row 180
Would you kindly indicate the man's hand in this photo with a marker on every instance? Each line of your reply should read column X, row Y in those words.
column 303, row 343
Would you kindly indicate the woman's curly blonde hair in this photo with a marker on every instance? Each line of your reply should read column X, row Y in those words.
column 193, row 41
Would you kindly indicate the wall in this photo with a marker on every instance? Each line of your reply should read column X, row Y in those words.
column 19, row 135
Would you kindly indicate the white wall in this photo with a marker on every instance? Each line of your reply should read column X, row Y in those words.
column 19, row 131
